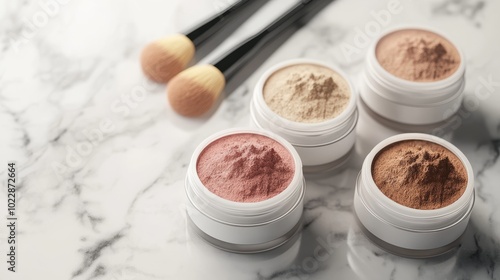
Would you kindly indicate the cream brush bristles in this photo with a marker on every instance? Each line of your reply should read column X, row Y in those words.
column 195, row 90
column 161, row 60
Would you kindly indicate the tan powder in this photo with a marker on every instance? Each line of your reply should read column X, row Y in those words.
column 419, row 174
column 417, row 55
column 306, row 93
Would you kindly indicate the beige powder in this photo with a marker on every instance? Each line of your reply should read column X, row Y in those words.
column 417, row 55
column 306, row 93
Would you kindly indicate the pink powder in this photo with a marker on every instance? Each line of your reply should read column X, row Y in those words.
column 245, row 167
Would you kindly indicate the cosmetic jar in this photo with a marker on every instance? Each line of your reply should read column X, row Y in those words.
column 406, row 231
column 322, row 146
column 373, row 128
column 411, row 102
column 245, row 227
column 408, row 105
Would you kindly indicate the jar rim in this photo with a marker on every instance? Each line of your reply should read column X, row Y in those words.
column 222, row 205
column 419, row 86
column 403, row 210
column 326, row 125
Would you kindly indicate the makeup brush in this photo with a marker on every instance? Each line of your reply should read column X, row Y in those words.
column 194, row 91
column 164, row 58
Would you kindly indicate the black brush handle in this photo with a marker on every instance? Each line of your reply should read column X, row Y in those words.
column 207, row 28
column 244, row 51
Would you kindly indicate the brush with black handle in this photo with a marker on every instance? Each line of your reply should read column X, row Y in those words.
column 194, row 91
column 164, row 58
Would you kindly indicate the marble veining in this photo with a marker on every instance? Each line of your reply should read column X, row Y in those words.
column 102, row 158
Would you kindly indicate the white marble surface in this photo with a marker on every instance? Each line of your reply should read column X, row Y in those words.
column 115, row 210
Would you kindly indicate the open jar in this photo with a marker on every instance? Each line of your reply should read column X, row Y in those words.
column 235, row 200
column 417, row 229
column 413, row 81
column 292, row 98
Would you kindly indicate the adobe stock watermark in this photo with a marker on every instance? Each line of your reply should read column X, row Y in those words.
column 122, row 106
column 47, row 9
column 364, row 36
column 485, row 88
column 321, row 253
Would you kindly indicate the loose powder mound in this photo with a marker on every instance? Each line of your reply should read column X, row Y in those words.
column 417, row 55
column 419, row 174
column 306, row 93
column 245, row 167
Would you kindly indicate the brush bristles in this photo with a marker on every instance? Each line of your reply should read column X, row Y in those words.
column 163, row 59
column 194, row 91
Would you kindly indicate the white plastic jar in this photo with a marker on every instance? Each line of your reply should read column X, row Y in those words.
column 407, row 231
column 245, row 227
column 322, row 146
column 398, row 105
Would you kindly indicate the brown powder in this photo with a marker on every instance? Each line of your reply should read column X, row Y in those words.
column 306, row 93
column 419, row 174
column 245, row 167
column 417, row 55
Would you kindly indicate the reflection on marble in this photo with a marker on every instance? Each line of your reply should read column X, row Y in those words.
column 102, row 158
